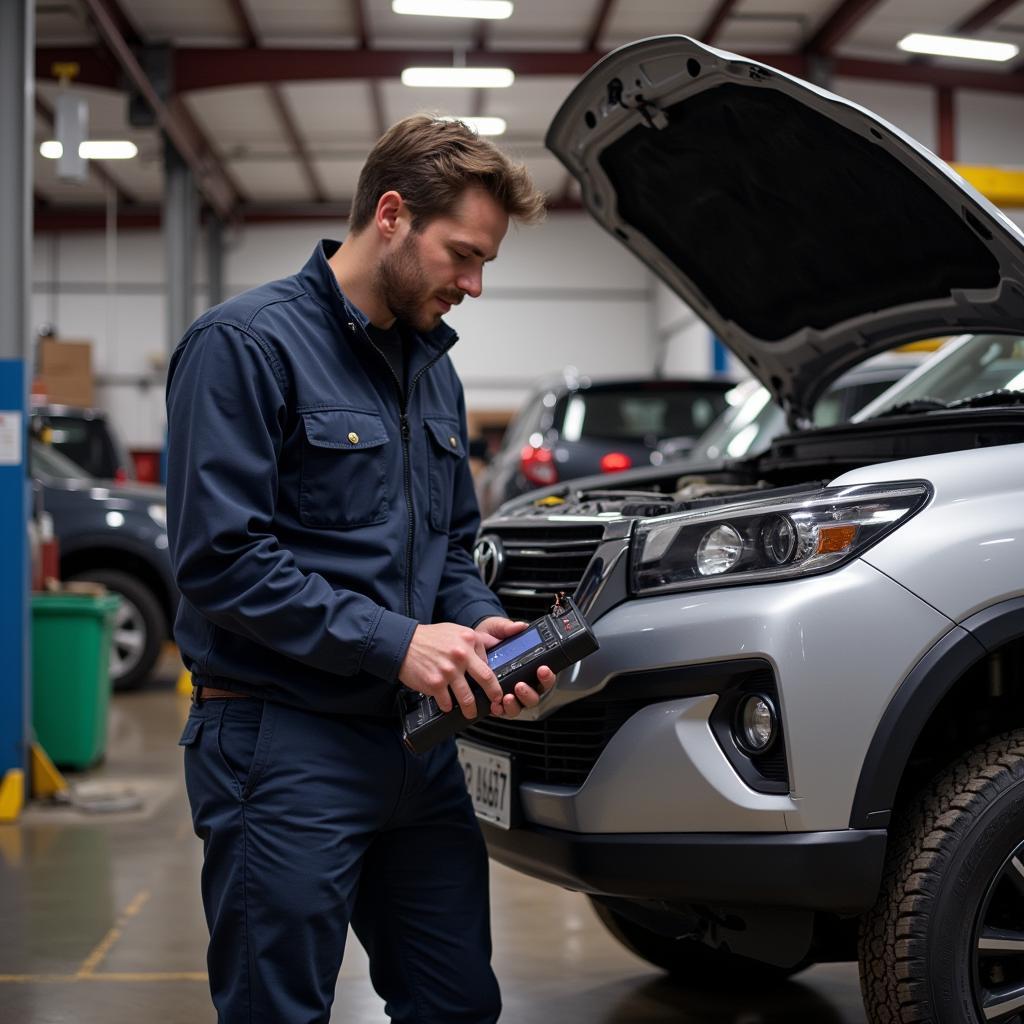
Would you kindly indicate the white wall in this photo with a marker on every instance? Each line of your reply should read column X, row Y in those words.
column 563, row 293
column 560, row 294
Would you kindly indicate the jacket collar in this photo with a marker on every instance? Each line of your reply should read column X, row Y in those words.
column 319, row 281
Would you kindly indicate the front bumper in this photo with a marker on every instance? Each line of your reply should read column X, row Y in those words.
column 829, row 871
column 838, row 645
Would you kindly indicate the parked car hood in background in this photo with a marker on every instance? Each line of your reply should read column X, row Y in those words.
column 58, row 471
column 806, row 231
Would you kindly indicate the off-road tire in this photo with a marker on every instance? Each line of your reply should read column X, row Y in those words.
column 692, row 964
column 917, row 945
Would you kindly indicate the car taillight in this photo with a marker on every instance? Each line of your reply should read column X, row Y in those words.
column 615, row 462
column 120, row 475
column 538, row 465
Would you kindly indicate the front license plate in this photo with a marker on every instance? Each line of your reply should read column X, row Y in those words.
column 489, row 781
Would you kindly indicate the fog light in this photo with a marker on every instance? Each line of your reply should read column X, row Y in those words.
column 757, row 724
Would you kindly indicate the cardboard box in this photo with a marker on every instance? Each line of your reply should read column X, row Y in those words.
column 65, row 370
column 65, row 358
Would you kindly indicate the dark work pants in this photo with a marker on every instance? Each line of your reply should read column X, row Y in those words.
column 309, row 823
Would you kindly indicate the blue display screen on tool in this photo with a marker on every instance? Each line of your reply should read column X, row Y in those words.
column 511, row 649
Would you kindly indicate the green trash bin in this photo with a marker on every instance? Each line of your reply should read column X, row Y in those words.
column 71, row 636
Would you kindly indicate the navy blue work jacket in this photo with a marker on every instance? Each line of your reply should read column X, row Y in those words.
column 316, row 514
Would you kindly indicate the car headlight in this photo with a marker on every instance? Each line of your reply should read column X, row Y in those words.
column 158, row 513
column 775, row 539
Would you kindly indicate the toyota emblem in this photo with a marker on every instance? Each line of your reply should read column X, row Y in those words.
column 489, row 557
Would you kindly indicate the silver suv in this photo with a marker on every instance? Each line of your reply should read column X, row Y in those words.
column 802, row 738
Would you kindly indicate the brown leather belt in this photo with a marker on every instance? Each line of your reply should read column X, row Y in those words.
column 201, row 693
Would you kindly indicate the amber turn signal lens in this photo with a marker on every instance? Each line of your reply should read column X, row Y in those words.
column 832, row 539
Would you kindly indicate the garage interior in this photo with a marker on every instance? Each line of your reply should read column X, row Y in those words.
column 249, row 121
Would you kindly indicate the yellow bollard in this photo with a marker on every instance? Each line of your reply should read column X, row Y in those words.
column 12, row 794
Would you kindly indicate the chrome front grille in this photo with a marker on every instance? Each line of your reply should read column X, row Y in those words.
column 540, row 561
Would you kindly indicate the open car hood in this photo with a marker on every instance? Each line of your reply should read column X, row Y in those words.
column 806, row 231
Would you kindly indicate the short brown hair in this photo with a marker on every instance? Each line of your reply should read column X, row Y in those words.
column 430, row 162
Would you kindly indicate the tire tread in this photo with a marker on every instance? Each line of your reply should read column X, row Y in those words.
column 893, row 937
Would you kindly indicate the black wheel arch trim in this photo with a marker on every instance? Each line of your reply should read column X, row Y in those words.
column 917, row 697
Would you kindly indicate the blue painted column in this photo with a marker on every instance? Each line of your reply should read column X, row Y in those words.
column 17, row 111
column 719, row 355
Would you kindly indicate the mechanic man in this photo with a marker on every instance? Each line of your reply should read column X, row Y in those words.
column 321, row 518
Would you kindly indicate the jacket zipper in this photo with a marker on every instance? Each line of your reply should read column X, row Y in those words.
column 403, row 408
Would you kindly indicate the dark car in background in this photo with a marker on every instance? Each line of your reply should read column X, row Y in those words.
column 577, row 427
column 114, row 534
column 86, row 437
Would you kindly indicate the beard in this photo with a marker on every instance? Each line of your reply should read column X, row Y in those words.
column 401, row 284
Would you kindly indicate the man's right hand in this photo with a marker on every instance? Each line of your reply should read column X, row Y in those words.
column 437, row 661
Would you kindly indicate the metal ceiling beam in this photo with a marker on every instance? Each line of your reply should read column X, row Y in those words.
column 95, row 65
column 180, row 110
column 278, row 102
column 718, row 18
column 209, row 68
column 843, row 19
column 601, row 18
column 924, row 74
column 212, row 67
column 208, row 173
column 298, row 144
column 985, row 14
column 945, row 122
column 45, row 111
column 376, row 93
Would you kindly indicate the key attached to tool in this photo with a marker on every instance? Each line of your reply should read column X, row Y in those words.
column 558, row 639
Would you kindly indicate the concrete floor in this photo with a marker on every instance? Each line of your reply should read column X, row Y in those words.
column 101, row 921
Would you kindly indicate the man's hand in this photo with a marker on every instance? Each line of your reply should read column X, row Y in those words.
column 493, row 630
column 437, row 661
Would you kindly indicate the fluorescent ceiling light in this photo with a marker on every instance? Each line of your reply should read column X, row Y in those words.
column 954, row 46
column 95, row 149
column 110, row 150
column 491, row 9
column 458, row 78
column 482, row 125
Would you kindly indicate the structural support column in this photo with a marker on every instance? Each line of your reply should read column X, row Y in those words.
column 17, row 110
column 214, row 260
column 179, row 226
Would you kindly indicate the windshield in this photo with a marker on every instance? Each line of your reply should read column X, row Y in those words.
column 971, row 365
column 86, row 441
column 742, row 429
column 46, row 461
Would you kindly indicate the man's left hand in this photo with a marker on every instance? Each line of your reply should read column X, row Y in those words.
column 493, row 630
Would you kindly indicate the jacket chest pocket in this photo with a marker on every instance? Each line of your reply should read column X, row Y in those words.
column 445, row 450
column 343, row 477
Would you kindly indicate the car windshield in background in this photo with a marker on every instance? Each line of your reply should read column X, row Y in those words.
column 86, row 439
column 45, row 461
column 749, row 424
column 753, row 420
column 639, row 415
column 972, row 365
